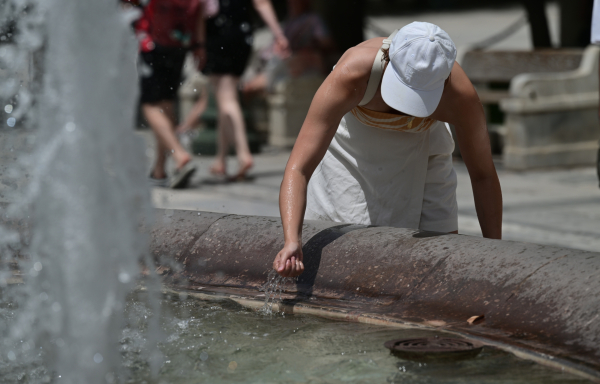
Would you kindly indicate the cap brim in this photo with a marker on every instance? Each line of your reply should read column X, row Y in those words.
column 413, row 102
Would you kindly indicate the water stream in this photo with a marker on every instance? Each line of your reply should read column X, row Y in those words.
column 273, row 289
column 83, row 195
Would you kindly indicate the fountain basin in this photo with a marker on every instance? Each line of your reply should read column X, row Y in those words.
column 539, row 302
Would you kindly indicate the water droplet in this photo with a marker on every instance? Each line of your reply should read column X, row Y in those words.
column 56, row 306
column 43, row 296
column 11, row 356
column 8, row 108
column 204, row 356
column 70, row 126
column 11, row 121
column 124, row 277
column 98, row 358
column 37, row 266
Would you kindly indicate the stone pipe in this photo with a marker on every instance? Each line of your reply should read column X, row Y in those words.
column 539, row 298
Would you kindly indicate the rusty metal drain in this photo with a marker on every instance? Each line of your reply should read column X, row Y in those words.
column 433, row 348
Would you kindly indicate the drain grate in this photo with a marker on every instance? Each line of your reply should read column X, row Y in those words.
column 433, row 348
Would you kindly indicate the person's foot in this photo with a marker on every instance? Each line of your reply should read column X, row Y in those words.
column 181, row 159
column 245, row 166
column 158, row 173
column 218, row 169
column 154, row 182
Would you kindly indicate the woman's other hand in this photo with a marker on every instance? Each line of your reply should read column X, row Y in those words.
column 288, row 262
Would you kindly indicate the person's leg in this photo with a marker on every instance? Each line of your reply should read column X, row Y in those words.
column 160, row 116
column 224, row 135
column 230, row 115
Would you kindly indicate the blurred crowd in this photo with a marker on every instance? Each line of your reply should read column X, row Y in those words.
column 217, row 38
column 218, row 34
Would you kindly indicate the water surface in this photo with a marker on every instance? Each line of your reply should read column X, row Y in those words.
column 223, row 342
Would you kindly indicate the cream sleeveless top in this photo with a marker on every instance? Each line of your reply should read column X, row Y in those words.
column 386, row 169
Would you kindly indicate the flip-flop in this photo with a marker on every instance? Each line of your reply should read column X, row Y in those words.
column 181, row 176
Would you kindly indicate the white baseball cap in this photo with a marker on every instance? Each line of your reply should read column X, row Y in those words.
column 421, row 59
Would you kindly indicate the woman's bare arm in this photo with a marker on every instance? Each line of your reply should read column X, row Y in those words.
column 461, row 107
column 339, row 93
column 266, row 12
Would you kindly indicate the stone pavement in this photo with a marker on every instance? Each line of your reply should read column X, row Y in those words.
column 555, row 207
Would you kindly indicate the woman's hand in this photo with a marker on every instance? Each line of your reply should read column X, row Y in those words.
column 282, row 47
column 288, row 262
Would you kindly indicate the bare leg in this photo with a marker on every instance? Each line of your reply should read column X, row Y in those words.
column 158, row 171
column 161, row 118
column 231, row 121
column 197, row 110
column 219, row 167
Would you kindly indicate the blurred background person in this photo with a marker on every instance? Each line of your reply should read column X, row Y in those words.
column 167, row 30
column 310, row 45
column 229, row 45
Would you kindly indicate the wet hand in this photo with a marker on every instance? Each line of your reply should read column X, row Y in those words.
column 288, row 262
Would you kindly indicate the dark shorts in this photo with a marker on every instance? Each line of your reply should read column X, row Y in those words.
column 227, row 55
column 160, row 73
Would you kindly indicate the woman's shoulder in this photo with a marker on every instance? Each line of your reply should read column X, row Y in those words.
column 356, row 62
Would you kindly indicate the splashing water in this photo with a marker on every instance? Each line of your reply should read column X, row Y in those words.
column 85, row 197
column 273, row 289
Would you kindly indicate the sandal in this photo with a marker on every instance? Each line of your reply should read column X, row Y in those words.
column 182, row 176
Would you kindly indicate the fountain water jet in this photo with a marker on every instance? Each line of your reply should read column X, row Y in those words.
column 87, row 195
